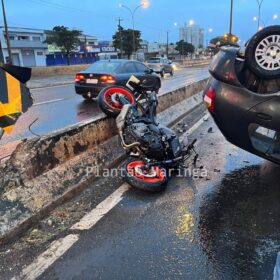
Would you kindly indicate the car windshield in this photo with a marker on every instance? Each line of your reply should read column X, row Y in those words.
column 104, row 66
column 154, row 60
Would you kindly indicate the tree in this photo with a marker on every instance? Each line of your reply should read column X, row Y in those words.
column 123, row 40
column 67, row 40
column 184, row 48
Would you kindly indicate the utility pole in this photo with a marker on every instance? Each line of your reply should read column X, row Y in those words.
column 7, row 34
column 120, row 32
column 85, row 49
column 167, row 43
column 230, row 21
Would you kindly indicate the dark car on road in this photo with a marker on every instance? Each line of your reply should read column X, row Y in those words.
column 160, row 65
column 104, row 73
column 243, row 94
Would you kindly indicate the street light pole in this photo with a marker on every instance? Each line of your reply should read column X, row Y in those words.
column 259, row 11
column 7, row 34
column 132, row 17
column 167, row 43
column 230, row 21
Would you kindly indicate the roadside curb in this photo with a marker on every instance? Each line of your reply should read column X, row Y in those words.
column 43, row 173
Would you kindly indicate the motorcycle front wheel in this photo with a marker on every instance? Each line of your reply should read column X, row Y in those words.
column 153, row 179
column 109, row 102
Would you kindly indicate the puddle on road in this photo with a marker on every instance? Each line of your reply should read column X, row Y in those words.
column 239, row 221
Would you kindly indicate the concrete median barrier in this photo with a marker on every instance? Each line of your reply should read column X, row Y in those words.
column 43, row 172
column 57, row 70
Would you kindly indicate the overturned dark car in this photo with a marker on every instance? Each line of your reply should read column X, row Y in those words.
column 243, row 94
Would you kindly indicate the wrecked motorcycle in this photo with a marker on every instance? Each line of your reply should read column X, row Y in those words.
column 156, row 149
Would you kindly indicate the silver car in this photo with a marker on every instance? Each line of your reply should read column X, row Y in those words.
column 160, row 65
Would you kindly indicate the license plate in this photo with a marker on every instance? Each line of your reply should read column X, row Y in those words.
column 91, row 81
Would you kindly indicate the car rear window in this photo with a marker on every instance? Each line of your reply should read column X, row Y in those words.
column 154, row 60
column 104, row 66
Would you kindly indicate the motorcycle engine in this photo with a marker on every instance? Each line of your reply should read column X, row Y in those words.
column 157, row 142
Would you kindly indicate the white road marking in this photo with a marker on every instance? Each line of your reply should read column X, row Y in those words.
column 59, row 247
column 45, row 260
column 46, row 102
column 195, row 126
column 90, row 219
column 198, row 124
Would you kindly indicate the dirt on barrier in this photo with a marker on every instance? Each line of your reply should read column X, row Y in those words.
column 57, row 70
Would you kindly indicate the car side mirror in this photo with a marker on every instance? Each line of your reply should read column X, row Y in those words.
column 149, row 71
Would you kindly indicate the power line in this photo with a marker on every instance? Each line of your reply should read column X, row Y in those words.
column 63, row 7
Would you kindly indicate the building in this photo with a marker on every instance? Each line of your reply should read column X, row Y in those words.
column 107, row 50
column 160, row 49
column 88, row 44
column 28, row 47
column 85, row 53
column 157, row 48
column 192, row 34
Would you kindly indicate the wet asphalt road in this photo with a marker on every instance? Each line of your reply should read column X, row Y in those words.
column 223, row 226
column 59, row 107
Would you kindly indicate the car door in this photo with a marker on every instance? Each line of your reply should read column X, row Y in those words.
column 125, row 72
column 143, row 74
column 264, row 128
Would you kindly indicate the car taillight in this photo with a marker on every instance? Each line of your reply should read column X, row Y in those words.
column 108, row 79
column 209, row 99
column 79, row 77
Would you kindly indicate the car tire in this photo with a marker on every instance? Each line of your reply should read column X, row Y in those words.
column 162, row 73
column 145, row 181
column 87, row 97
column 107, row 102
column 171, row 73
column 262, row 53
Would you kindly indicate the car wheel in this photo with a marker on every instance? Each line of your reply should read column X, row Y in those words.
column 87, row 96
column 262, row 54
column 171, row 73
column 162, row 73
column 108, row 99
column 153, row 179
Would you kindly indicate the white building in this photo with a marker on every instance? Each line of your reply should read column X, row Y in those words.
column 157, row 47
column 192, row 34
column 88, row 43
column 28, row 47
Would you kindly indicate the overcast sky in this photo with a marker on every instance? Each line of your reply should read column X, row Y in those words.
column 98, row 17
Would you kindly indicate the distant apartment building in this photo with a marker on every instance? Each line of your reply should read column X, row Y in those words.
column 28, row 47
column 192, row 34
